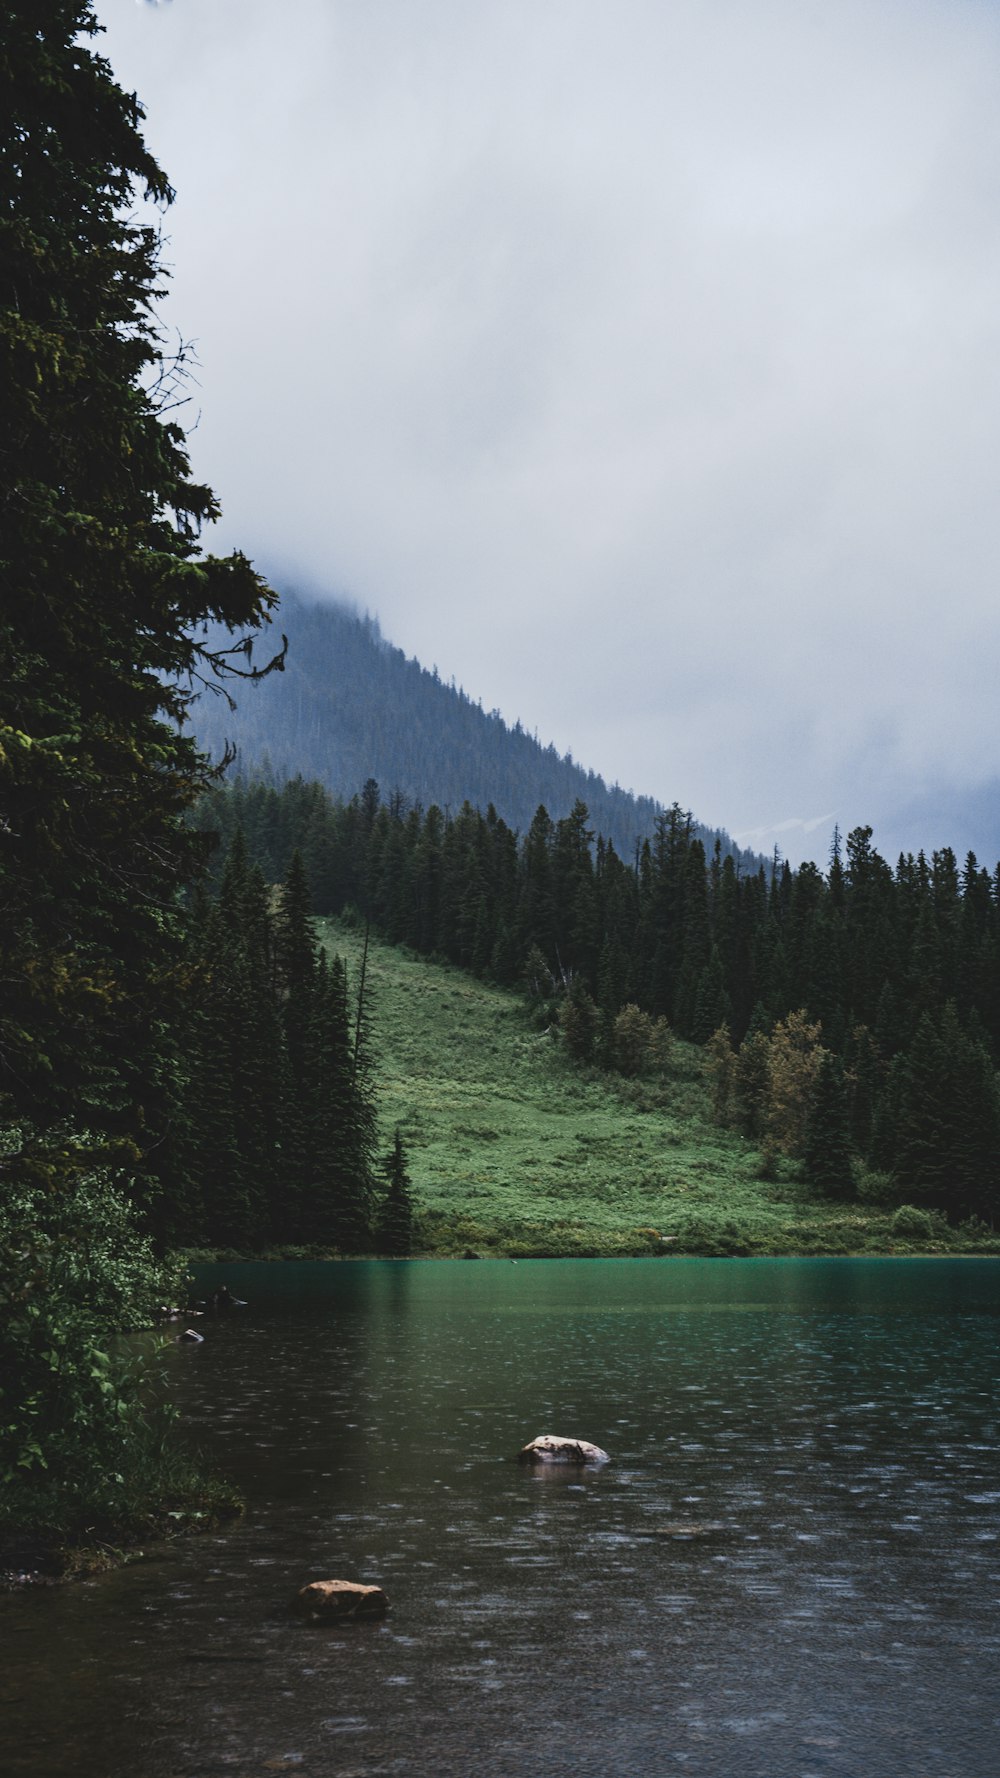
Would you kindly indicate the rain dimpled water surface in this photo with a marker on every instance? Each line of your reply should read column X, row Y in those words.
column 791, row 1565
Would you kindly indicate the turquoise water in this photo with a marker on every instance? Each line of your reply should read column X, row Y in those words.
column 791, row 1566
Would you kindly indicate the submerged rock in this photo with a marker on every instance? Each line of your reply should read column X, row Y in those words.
column 547, row 1448
column 335, row 1599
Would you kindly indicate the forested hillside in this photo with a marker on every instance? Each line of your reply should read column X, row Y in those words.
column 514, row 1149
column 351, row 707
column 851, row 1021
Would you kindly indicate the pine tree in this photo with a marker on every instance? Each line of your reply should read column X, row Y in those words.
column 536, row 912
column 578, row 1018
column 752, row 1082
column 394, row 1221
column 230, row 1169
column 663, row 914
column 864, row 1075
column 827, row 1153
column 794, row 1061
column 337, row 1131
column 947, row 1132
column 712, row 1006
column 720, row 1070
column 295, row 937
column 575, row 895
column 237, row 1065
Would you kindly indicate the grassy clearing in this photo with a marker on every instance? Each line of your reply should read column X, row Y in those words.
column 513, row 1150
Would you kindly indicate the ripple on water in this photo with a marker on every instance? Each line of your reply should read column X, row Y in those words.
column 789, row 1567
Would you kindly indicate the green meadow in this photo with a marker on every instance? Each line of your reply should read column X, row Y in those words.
column 513, row 1150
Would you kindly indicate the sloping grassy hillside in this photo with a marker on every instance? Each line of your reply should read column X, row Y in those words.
column 514, row 1151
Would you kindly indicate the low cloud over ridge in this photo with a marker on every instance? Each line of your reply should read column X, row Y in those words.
column 637, row 364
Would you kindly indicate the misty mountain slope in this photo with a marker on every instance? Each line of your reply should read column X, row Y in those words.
column 350, row 706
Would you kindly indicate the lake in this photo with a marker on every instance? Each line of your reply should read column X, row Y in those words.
column 790, row 1567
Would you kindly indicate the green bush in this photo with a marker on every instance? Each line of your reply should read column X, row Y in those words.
column 911, row 1224
column 713, row 1239
column 874, row 1187
column 84, row 1447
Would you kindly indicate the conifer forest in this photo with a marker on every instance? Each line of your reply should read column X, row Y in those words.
column 848, row 1019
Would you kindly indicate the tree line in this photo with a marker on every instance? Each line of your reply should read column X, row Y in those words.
column 274, row 1138
column 850, row 1018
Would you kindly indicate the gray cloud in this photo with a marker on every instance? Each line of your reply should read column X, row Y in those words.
column 638, row 364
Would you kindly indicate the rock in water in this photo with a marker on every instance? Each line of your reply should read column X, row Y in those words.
column 335, row 1599
column 549, row 1449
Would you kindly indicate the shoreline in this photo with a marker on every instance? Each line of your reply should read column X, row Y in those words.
column 989, row 1249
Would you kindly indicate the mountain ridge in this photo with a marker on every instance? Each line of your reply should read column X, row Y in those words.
column 351, row 706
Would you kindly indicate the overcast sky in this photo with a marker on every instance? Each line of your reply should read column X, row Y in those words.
column 634, row 361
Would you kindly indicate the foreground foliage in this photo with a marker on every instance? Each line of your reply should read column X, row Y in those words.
column 86, row 1453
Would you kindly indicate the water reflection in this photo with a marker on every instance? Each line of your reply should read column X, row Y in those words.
column 791, row 1566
